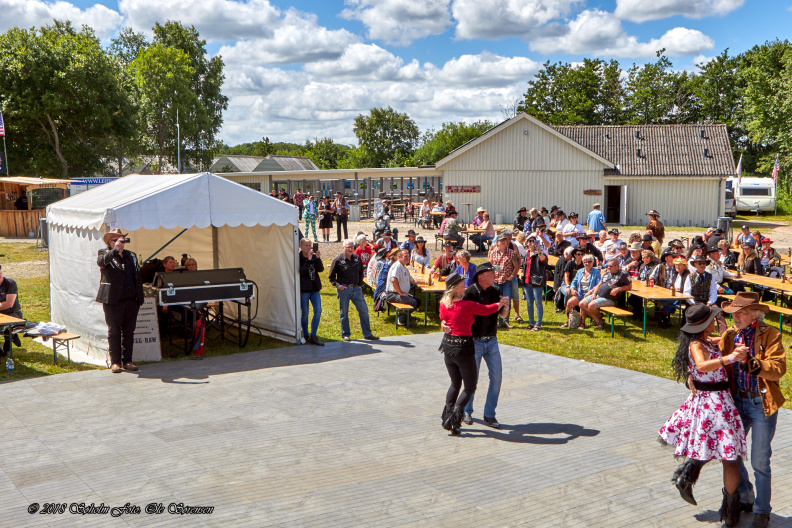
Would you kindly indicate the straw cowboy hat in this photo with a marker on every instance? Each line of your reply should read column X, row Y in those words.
column 749, row 300
column 113, row 233
column 481, row 210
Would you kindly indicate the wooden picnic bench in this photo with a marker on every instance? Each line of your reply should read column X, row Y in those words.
column 614, row 312
column 399, row 307
column 59, row 342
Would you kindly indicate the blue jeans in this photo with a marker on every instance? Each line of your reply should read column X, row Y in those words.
column 763, row 427
column 505, row 291
column 491, row 353
column 354, row 294
column 480, row 239
column 534, row 294
column 316, row 300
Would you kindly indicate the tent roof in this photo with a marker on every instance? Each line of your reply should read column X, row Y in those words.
column 169, row 201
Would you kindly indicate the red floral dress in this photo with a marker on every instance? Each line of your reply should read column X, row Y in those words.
column 707, row 426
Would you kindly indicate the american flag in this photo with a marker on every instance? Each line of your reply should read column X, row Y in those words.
column 739, row 170
column 776, row 168
column 2, row 126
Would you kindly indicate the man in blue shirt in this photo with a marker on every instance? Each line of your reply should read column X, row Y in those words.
column 596, row 220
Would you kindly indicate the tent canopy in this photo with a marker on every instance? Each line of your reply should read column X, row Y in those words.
column 168, row 201
column 227, row 225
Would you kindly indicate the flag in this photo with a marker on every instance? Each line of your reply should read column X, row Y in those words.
column 739, row 170
column 776, row 168
column 2, row 126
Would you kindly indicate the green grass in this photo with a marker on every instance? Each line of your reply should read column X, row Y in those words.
column 19, row 252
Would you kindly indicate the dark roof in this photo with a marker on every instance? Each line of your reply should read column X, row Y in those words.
column 665, row 150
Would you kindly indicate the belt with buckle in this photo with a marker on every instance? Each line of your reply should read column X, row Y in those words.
column 749, row 394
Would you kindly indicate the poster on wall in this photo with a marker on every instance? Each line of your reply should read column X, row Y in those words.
column 463, row 189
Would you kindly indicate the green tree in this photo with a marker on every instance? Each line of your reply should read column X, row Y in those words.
column 127, row 45
column 437, row 144
column 654, row 94
column 584, row 94
column 386, row 135
column 326, row 153
column 62, row 100
column 162, row 77
column 767, row 73
column 205, row 82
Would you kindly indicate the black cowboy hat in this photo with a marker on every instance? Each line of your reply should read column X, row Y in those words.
column 381, row 252
column 647, row 238
column 453, row 279
column 481, row 268
column 699, row 258
column 698, row 317
column 411, row 233
column 521, row 209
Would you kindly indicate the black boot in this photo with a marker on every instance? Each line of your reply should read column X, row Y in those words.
column 447, row 410
column 453, row 421
column 730, row 510
column 685, row 476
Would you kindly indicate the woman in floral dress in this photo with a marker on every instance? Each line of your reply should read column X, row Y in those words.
column 707, row 426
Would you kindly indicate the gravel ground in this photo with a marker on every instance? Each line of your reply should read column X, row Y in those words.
column 26, row 270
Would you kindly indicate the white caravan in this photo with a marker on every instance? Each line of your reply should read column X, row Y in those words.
column 753, row 194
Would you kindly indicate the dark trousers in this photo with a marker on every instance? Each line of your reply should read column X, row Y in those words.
column 462, row 370
column 341, row 220
column 8, row 335
column 121, row 320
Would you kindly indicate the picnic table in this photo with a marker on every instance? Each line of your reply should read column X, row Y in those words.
column 7, row 323
column 767, row 282
column 655, row 294
column 422, row 280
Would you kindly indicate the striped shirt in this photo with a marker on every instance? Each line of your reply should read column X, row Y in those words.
column 745, row 380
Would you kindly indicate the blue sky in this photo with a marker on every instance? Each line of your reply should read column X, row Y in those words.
column 300, row 69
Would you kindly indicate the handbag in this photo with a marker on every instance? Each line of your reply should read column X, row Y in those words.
column 537, row 280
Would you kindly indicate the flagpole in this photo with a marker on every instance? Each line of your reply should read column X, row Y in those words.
column 5, row 157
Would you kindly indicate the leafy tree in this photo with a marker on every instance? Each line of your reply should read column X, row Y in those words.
column 655, row 94
column 128, row 45
column 767, row 73
column 205, row 82
column 162, row 77
column 325, row 152
column 385, row 134
column 566, row 94
column 437, row 144
column 62, row 100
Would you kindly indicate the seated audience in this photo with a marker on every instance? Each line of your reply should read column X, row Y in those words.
column 610, row 289
column 445, row 260
column 480, row 239
column 363, row 250
column 465, row 268
column 584, row 284
column 420, row 255
column 559, row 297
column 452, row 228
column 727, row 257
column 770, row 259
column 399, row 282
column 749, row 261
column 702, row 287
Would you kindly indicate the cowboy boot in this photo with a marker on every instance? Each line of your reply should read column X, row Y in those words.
column 456, row 418
column 447, row 410
column 730, row 510
column 685, row 477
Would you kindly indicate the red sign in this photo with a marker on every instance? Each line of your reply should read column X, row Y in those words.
column 463, row 189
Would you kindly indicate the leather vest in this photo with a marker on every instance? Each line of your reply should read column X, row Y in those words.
column 700, row 286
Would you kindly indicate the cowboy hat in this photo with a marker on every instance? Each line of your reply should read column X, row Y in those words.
column 393, row 252
column 636, row 246
column 521, row 209
column 698, row 317
column 749, row 300
column 680, row 260
column 699, row 259
column 112, row 234
column 481, row 210
column 652, row 212
column 484, row 267
column 453, row 279
column 419, row 238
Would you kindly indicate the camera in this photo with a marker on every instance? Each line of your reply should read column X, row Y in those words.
column 126, row 241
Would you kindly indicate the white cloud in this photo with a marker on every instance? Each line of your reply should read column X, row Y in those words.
column 596, row 32
column 29, row 13
column 485, row 70
column 399, row 21
column 366, row 61
column 493, row 19
column 298, row 39
column 643, row 10
column 217, row 20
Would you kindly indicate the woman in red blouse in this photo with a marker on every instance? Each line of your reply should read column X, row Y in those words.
column 457, row 346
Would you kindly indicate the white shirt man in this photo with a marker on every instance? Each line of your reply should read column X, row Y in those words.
column 572, row 229
column 397, row 287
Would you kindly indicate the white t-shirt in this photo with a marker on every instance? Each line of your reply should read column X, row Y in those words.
column 571, row 231
column 402, row 275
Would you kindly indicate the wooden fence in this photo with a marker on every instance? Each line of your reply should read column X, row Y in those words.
column 18, row 224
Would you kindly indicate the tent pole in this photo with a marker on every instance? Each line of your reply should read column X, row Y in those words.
column 166, row 245
column 215, row 261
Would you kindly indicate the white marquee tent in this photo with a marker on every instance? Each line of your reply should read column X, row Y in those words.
column 227, row 226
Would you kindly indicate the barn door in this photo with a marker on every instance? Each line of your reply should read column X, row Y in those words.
column 623, row 208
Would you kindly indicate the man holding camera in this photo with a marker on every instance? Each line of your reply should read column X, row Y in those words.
column 121, row 294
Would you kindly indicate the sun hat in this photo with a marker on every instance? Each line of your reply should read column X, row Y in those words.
column 749, row 300
column 481, row 210
column 766, row 240
column 681, row 260
column 452, row 280
column 596, row 204
column 112, row 234
column 590, row 233
column 698, row 317
column 636, row 246
column 393, row 252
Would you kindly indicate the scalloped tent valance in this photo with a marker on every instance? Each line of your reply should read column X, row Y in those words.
column 169, row 201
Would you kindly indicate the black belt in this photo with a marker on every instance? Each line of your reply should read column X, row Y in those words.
column 485, row 338
column 717, row 386
column 749, row 394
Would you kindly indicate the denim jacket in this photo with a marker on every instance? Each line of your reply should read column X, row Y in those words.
column 594, row 279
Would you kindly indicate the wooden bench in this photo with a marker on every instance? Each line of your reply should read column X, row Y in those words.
column 781, row 311
column 59, row 342
column 367, row 284
column 400, row 307
column 614, row 312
